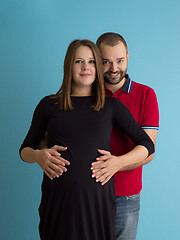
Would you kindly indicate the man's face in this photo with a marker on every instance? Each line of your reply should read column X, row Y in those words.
column 115, row 60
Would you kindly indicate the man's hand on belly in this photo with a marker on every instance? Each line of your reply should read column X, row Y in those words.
column 51, row 161
column 105, row 167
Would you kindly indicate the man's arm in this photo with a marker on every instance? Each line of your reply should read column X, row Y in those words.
column 49, row 159
column 130, row 166
column 107, row 165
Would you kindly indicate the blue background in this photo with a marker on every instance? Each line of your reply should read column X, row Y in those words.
column 34, row 38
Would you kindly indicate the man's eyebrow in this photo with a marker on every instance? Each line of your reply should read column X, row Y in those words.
column 107, row 59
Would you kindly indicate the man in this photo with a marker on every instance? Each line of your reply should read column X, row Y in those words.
column 142, row 103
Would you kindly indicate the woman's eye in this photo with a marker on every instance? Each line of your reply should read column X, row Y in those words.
column 78, row 61
column 92, row 61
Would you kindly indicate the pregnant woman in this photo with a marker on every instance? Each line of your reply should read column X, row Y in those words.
column 80, row 118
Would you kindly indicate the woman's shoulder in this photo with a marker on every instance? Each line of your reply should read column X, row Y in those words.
column 113, row 100
column 116, row 105
column 46, row 101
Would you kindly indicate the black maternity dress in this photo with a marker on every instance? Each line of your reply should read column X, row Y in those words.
column 74, row 206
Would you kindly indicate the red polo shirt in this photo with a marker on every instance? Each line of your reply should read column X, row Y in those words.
column 142, row 102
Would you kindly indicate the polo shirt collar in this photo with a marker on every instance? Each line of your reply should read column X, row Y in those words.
column 127, row 87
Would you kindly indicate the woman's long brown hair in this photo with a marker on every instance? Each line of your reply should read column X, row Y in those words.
column 64, row 93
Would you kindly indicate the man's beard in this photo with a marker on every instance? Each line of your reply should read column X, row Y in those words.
column 112, row 81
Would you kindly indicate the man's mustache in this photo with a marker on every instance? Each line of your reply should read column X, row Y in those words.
column 110, row 72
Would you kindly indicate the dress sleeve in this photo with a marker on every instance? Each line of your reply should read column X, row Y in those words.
column 124, row 120
column 38, row 126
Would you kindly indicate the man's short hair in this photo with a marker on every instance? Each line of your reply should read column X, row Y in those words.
column 111, row 39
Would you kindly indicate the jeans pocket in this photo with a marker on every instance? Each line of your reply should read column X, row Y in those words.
column 133, row 197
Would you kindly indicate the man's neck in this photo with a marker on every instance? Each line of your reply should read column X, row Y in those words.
column 116, row 87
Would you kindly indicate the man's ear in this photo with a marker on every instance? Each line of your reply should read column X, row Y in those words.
column 127, row 56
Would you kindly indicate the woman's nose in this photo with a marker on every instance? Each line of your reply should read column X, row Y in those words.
column 85, row 66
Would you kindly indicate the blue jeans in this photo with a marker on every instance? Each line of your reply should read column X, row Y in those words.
column 127, row 217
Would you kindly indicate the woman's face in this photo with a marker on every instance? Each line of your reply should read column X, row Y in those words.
column 84, row 68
